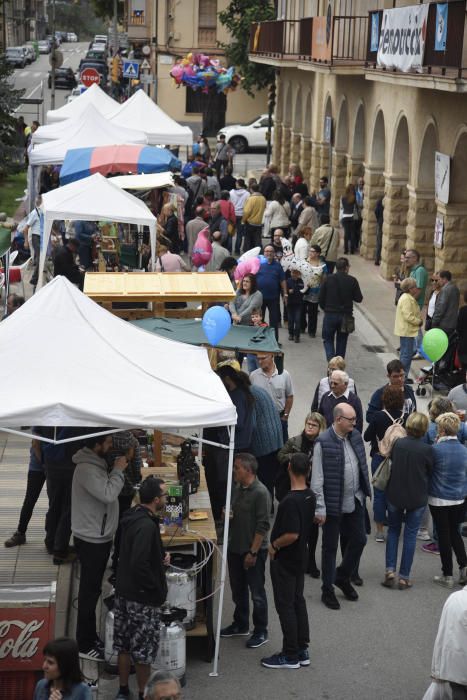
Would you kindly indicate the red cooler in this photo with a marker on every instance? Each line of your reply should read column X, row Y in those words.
column 27, row 622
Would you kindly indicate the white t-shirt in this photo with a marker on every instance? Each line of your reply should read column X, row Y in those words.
column 34, row 222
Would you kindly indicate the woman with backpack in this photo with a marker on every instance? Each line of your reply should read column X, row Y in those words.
column 407, row 497
column 381, row 433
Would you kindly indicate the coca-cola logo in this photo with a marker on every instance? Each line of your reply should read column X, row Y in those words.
column 22, row 645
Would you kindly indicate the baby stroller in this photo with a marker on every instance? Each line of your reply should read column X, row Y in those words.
column 442, row 375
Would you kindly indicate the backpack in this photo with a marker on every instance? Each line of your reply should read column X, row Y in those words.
column 393, row 433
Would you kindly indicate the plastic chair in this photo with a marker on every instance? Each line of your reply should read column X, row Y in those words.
column 16, row 273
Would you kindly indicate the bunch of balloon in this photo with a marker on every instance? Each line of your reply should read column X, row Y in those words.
column 435, row 343
column 216, row 324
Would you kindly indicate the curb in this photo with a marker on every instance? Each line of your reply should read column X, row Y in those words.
column 388, row 338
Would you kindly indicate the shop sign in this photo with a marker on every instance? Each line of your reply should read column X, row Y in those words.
column 24, row 632
column 439, row 232
column 402, row 38
column 442, row 177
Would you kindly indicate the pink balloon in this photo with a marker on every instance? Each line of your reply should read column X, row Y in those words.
column 202, row 250
column 250, row 266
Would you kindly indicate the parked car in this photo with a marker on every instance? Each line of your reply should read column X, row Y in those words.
column 44, row 46
column 76, row 92
column 64, row 36
column 71, row 36
column 99, row 66
column 32, row 46
column 97, row 53
column 101, row 39
column 30, row 53
column 58, row 38
column 64, row 78
column 244, row 136
column 15, row 56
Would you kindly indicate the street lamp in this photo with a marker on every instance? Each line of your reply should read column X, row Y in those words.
column 53, row 60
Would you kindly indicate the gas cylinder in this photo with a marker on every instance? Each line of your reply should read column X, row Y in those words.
column 182, row 586
column 171, row 655
column 111, row 656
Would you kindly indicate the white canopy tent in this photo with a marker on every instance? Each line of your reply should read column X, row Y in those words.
column 95, row 130
column 93, row 95
column 67, row 127
column 122, row 377
column 142, row 113
column 144, row 182
column 92, row 199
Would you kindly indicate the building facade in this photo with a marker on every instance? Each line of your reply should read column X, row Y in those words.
column 172, row 29
column 340, row 113
column 21, row 21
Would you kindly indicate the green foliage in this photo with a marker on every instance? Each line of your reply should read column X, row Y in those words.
column 237, row 18
column 79, row 17
column 105, row 8
column 9, row 100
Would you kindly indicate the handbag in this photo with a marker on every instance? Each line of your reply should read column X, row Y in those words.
column 380, row 478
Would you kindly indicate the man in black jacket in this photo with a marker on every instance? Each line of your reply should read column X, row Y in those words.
column 336, row 297
column 141, row 586
column 64, row 263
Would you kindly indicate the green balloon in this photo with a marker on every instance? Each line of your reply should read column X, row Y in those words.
column 435, row 344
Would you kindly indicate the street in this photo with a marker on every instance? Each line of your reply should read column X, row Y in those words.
column 33, row 80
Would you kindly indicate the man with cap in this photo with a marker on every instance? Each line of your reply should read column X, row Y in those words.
column 141, row 586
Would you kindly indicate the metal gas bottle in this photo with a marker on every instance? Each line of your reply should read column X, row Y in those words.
column 171, row 655
column 182, row 586
column 111, row 656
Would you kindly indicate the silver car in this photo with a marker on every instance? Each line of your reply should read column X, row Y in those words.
column 15, row 56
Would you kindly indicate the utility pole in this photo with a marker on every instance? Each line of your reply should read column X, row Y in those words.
column 53, row 61
column 271, row 105
column 114, row 28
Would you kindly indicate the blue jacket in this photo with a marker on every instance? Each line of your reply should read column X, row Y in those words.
column 376, row 401
column 449, row 475
column 80, row 691
column 432, row 433
column 267, row 429
column 333, row 461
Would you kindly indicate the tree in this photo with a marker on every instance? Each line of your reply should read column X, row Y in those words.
column 105, row 9
column 237, row 18
column 10, row 99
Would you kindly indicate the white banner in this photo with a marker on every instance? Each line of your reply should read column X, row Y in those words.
column 442, row 177
column 402, row 38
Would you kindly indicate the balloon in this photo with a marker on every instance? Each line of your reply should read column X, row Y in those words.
column 262, row 259
column 247, row 267
column 423, row 354
column 216, row 324
column 202, row 249
column 435, row 343
column 252, row 253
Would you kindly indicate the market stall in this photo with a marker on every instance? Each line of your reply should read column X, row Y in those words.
column 93, row 199
column 94, row 95
column 143, row 113
column 60, row 130
column 204, row 288
column 119, row 376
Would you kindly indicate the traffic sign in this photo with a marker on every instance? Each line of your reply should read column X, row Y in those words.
column 146, row 78
column 89, row 76
column 130, row 69
column 145, row 65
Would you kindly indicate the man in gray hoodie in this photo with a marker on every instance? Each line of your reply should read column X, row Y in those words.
column 94, row 521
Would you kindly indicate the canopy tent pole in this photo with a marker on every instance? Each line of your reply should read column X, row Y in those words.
column 224, row 551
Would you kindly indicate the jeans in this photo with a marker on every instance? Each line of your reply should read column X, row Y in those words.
column 295, row 319
column 36, row 246
column 85, row 256
column 36, row 481
column 412, row 523
column 273, row 306
column 331, row 330
column 268, row 468
column 244, row 581
column 353, row 526
column 379, row 497
column 447, row 520
column 379, row 242
column 58, row 518
column 406, row 352
column 252, row 236
column 291, row 608
column 310, row 310
column 419, row 340
column 93, row 558
column 350, row 242
column 285, row 430
column 240, row 235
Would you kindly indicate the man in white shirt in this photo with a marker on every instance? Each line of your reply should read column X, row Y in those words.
column 32, row 233
column 238, row 198
column 278, row 386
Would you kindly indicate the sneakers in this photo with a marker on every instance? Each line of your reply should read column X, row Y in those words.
column 423, row 534
column 123, row 695
column 95, row 653
column 330, row 600
column 16, row 539
column 431, row 548
column 279, row 661
column 446, row 581
column 347, row 589
column 463, row 575
column 256, row 640
column 304, row 657
column 234, row 630
column 379, row 537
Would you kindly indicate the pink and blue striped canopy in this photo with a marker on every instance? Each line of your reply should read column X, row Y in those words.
column 82, row 162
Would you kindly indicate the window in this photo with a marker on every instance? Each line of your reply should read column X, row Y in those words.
column 196, row 101
column 207, row 23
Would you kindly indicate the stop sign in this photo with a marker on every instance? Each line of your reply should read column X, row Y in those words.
column 89, row 76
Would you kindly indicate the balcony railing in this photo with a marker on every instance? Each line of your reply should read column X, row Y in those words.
column 447, row 63
column 312, row 39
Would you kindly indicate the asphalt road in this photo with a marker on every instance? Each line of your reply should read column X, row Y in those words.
column 33, row 80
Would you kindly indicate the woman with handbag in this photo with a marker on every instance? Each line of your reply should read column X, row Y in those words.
column 392, row 413
column 407, row 497
column 305, row 443
column 348, row 206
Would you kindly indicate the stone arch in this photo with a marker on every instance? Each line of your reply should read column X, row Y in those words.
column 400, row 162
column 458, row 190
column 358, row 145
column 287, row 114
column 342, row 128
column 307, row 115
column 378, row 143
column 424, row 177
column 298, row 112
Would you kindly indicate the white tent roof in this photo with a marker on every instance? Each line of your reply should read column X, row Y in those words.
column 143, row 182
column 95, row 130
column 142, row 113
column 93, row 198
column 93, row 95
column 59, row 130
column 90, row 368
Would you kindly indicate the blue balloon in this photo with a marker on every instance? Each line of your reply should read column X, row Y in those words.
column 216, row 324
column 262, row 259
column 423, row 354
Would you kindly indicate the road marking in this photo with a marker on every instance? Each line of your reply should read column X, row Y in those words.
column 33, row 91
column 36, row 75
column 23, row 74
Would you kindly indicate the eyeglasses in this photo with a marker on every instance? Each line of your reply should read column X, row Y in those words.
column 351, row 420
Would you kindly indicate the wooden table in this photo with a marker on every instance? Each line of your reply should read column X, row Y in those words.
column 158, row 288
column 190, row 535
